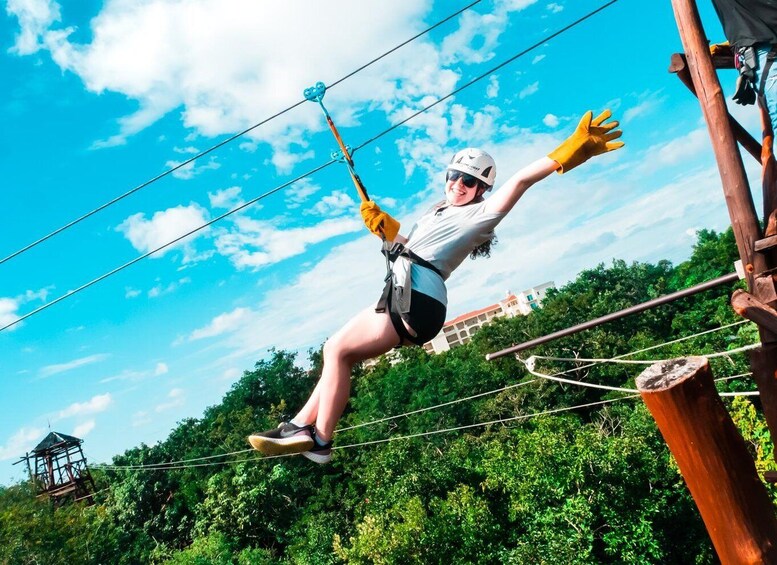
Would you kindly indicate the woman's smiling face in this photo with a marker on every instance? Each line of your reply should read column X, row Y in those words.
column 461, row 188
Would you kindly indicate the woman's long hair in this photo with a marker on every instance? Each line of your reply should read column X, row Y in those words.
column 484, row 249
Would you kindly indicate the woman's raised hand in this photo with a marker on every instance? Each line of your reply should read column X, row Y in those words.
column 592, row 137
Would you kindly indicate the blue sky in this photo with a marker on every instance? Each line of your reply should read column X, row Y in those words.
column 99, row 97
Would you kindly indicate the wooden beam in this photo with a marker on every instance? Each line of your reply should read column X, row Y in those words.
column 713, row 459
column 679, row 66
column 747, row 306
column 765, row 244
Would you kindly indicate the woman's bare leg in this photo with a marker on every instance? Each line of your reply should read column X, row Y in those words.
column 366, row 335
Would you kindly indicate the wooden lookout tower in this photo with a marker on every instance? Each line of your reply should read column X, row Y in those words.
column 60, row 471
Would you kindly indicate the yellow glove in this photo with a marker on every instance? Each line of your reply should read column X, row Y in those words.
column 721, row 49
column 377, row 221
column 592, row 137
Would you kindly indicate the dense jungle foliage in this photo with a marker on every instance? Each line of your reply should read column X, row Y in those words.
column 510, row 485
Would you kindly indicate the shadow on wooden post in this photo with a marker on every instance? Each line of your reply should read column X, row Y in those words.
column 712, row 458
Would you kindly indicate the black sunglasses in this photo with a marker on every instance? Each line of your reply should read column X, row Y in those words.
column 467, row 180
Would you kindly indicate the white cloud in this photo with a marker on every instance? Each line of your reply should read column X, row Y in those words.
column 221, row 324
column 51, row 370
column 35, row 17
column 537, row 59
column 680, row 150
column 135, row 375
column 227, row 198
column 160, row 290
column 335, row 204
column 529, row 90
column 231, row 374
column 299, row 192
column 492, row 90
column 98, row 403
column 175, row 398
column 257, row 243
column 550, row 120
column 648, row 104
column 130, row 292
column 192, row 168
column 167, row 54
column 140, row 418
column 554, row 8
column 163, row 227
column 8, row 312
column 186, row 150
column 20, row 443
column 9, row 306
column 83, row 429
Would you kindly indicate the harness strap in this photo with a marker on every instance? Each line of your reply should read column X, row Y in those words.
column 767, row 67
column 387, row 299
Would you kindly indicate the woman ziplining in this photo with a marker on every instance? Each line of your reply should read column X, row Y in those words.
column 412, row 308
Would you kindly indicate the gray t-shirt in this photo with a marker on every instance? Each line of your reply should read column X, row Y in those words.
column 444, row 236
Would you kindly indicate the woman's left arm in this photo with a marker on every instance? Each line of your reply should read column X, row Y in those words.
column 503, row 200
column 593, row 136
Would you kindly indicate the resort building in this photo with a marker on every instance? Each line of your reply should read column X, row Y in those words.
column 461, row 329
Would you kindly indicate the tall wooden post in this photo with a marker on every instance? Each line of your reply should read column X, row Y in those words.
column 713, row 459
column 732, row 172
column 737, row 193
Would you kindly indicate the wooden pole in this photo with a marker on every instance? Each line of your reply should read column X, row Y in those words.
column 735, row 187
column 712, row 458
column 737, row 193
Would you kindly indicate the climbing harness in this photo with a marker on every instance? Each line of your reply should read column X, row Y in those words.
column 396, row 299
column 746, row 62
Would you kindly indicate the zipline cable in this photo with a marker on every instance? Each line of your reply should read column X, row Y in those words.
column 226, row 141
column 405, row 414
column 484, row 75
column 161, row 247
column 362, row 444
column 45, row 306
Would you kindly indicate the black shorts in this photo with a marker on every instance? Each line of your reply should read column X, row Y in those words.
column 426, row 317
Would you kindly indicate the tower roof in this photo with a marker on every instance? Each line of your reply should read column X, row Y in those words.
column 55, row 438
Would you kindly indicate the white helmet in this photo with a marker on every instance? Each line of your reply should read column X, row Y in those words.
column 475, row 162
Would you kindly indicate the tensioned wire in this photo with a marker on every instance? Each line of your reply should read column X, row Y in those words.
column 284, row 185
column 226, row 141
column 168, row 244
column 685, row 338
column 487, row 73
column 393, row 438
column 530, row 368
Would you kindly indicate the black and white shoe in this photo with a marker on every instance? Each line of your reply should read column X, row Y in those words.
column 286, row 439
column 319, row 453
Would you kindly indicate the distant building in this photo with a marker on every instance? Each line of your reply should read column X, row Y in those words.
column 461, row 329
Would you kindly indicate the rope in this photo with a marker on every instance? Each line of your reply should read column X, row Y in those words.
column 531, row 359
column 362, row 444
column 224, row 142
column 436, row 406
column 369, row 423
